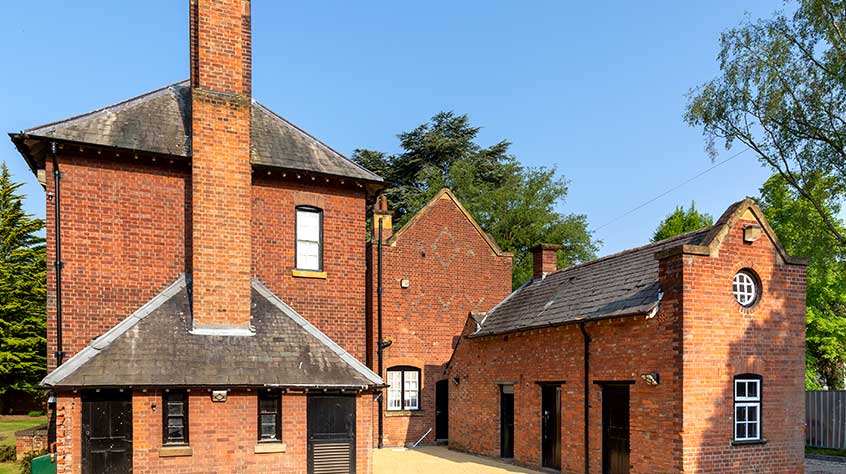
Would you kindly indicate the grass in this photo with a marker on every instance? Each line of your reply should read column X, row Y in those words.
column 8, row 426
column 823, row 451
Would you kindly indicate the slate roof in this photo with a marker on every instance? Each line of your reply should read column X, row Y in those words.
column 156, row 347
column 618, row 285
column 160, row 122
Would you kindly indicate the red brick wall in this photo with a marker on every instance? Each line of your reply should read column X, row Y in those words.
column 334, row 304
column 556, row 354
column 34, row 441
column 451, row 271
column 723, row 340
column 122, row 244
column 222, row 435
column 682, row 425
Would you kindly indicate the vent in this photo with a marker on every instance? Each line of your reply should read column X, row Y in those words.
column 332, row 458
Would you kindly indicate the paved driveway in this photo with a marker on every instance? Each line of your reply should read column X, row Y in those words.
column 440, row 460
column 437, row 460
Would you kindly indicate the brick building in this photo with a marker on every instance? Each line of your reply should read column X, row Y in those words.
column 682, row 356
column 436, row 269
column 206, row 308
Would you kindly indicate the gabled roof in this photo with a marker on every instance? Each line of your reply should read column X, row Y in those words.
column 447, row 194
column 623, row 284
column 155, row 346
column 160, row 122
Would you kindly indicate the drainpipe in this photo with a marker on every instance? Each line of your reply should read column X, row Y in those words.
column 58, row 264
column 587, row 395
column 379, row 345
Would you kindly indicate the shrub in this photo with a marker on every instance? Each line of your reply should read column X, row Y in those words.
column 7, row 453
column 36, row 413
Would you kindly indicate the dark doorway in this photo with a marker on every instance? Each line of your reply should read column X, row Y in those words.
column 331, row 434
column 442, row 410
column 615, row 429
column 107, row 432
column 551, row 426
column 506, row 421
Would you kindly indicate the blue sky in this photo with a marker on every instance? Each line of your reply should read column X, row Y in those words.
column 595, row 89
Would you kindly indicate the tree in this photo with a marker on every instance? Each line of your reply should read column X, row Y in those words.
column 802, row 232
column 782, row 93
column 515, row 204
column 23, row 293
column 681, row 221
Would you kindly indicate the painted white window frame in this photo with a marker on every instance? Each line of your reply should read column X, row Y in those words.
column 403, row 388
column 308, row 236
column 748, row 404
column 745, row 288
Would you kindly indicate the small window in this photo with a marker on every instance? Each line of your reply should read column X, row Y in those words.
column 745, row 288
column 309, row 238
column 175, row 412
column 269, row 416
column 403, row 388
column 747, row 408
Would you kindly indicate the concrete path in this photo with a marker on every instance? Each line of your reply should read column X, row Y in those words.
column 437, row 460
column 813, row 466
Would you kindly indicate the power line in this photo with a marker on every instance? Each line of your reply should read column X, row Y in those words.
column 693, row 178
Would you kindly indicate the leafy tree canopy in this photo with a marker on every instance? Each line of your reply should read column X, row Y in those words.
column 23, row 346
column 802, row 232
column 515, row 204
column 680, row 221
column 782, row 93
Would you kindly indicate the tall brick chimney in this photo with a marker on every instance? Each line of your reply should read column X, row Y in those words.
column 221, row 62
column 544, row 260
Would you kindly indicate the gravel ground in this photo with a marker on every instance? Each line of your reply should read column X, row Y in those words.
column 437, row 460
column 812, row 466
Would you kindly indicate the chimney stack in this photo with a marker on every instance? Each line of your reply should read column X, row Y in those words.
column 544, row 260
column 383, row 215
column 221, row 61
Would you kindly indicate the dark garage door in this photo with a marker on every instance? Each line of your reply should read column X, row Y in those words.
column 331, row 434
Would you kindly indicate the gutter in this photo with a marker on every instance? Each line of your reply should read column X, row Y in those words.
column 586, row 383
column 58, row 264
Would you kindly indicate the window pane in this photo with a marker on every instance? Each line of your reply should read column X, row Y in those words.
column 740, row 414
column 174, row 408
column 308, row 226
column 741, row 388
column 752, row 430
column 740, row 431
column 752, row 413
column 268, row 405
column 175, row 433
column 308, row 255
column 752, row 389
column 395, row 390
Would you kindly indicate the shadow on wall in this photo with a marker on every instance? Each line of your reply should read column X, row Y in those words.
column 772, row 348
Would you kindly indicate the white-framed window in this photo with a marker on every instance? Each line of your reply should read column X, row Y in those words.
column 403, row 388
column 747, row 408
column 745, row 288
column 309, row 238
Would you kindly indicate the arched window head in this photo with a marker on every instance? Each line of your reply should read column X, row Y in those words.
column 403, row 388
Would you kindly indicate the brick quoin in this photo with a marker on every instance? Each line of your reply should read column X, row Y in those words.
column 452, row 270
column 698, row 341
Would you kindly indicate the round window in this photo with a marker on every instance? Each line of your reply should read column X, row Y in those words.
column 745, row 288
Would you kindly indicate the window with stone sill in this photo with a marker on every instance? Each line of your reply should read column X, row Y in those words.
column 269, row 416
column 175, row 418
column 309, row 238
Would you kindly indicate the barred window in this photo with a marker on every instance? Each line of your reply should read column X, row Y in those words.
column 269, row 416
column 745, row 288
column 175, row 412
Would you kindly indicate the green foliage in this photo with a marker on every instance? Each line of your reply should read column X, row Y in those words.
column 516, row 205
column 23, row 317
column 680, row 221
column 802, row 232
column 7, row 453
column 36, row 413
column 26, row 462
column 782, row 93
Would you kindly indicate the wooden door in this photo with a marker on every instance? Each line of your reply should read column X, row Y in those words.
column 615, row 429
column 331, row 434
column 107, row 432
column 551, row 426
column 442, row 410
column 506, row 421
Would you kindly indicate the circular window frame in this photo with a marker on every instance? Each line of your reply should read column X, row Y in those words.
column 756, row 282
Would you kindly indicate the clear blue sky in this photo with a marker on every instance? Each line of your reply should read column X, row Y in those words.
column 596, row 90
